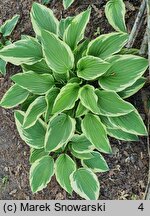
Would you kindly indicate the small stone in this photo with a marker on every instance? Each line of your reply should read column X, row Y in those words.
column 133, row 159
column 126, row 153
column 59, row 196
column 13, row 192
column 118, row 167
column 129, row 6
column 127, row 160
column 115, row 151
column 142, row 185
column 6, row 169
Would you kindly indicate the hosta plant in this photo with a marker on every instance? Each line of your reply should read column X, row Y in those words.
column 67, row 3
column 71, row 94
column 5, row 32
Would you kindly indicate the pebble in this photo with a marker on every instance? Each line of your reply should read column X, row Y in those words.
column 13, row 192
column 59, row 196
column 6, row 169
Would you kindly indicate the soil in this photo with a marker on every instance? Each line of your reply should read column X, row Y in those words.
column 128, row 164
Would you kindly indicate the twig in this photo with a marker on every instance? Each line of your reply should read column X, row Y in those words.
column 148, row 30
column 147, row 193
column 144, row 45
column 137, row 25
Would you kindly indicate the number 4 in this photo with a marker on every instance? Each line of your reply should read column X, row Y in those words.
column 141, row 207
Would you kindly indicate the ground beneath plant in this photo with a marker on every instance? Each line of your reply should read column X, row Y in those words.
column 128, row 164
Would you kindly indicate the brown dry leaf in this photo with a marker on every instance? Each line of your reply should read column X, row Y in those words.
column 98, row 11
column 130, row 6
column 123, row 195
column 59, row 196
column 142, row 185
column 13, row 192
column 111, row 173
column 146, row 98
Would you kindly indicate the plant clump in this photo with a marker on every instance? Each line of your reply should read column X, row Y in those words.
column 5, row 31
column 72, row 95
